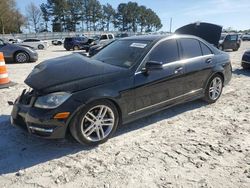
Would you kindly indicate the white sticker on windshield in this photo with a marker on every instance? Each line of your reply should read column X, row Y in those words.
column 138, row 45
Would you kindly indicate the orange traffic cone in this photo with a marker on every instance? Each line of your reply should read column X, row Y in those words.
column 4, row 79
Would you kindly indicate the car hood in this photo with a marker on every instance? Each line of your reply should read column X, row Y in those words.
column 207, row 31
column 15, row 47
column 72, row 73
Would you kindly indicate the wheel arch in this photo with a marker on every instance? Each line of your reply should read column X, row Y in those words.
column 110, row 99
column 220, row 73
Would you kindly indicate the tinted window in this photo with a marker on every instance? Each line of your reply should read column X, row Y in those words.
column 231, row 38
column 123, row 53
column 110, row 36
column 103, row 37
column 190, row 48
column 205, row 49
column 1, row 42
column 165, row 52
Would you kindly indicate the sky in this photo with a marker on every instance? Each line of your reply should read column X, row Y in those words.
column 227, row 13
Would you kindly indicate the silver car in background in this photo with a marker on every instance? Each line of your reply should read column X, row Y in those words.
column 17, row 54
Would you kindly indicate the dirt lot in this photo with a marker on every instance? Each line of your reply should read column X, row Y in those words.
column 191, row 145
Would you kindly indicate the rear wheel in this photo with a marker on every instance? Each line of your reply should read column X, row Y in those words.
column 95, row 123
column 214, row 89
column 40, row 47
column 21, row 57
column 245, row 65
column 76, row 48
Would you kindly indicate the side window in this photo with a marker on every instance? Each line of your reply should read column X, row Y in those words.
column 103, row 37
column 190, row 48
column 165, row 52
column 205, row 49
column 110, row 36
column 1, row 42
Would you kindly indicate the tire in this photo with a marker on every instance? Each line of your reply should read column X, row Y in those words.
column 76, row 48
column 245, row 66
column 40, row 47
column 59, row 43
column 212, row 95
column 21, row 57
column 88, row 127
column 67, row 49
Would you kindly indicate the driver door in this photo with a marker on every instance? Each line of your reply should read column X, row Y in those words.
column 157, row 88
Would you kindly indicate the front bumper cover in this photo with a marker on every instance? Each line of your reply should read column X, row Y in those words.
column 37, row 121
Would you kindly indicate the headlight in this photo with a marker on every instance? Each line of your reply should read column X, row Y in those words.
column 52, row 100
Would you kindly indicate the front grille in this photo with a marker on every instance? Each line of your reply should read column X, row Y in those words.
column 26, row 97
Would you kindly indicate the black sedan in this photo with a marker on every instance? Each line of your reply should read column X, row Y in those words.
column 129, row 79
column 245, row 63
column 17, row 54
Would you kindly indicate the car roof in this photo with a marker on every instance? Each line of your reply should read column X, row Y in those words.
column 156, row 38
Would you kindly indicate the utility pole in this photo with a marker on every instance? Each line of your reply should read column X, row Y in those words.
column 170, row 29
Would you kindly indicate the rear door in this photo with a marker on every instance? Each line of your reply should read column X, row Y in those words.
column 158, row 87
column 198, row 62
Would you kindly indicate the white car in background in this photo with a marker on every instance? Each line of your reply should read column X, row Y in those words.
column 35, row 43
column 104, row 38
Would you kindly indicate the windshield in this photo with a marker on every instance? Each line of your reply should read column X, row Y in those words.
column 222, row 37
column 123, row 53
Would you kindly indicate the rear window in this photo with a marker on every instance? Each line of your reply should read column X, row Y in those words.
column 111, row 37
column 205, row 49
column 232, row 37
column 190, row 48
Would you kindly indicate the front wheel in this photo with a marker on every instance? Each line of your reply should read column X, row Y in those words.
column 40, row 47
column 21, row 57
column 95, row 123
column 214, row 89
column 76, row 48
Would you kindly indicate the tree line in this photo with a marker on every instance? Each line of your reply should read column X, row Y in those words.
column 11, row 20
column 77, row 15
column 90, row 15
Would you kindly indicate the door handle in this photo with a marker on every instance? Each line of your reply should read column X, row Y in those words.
column 178, row 70
column 209, row 60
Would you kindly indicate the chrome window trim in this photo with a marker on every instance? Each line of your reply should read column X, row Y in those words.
column 180, row 61
column 247, row 62
column 157, row 104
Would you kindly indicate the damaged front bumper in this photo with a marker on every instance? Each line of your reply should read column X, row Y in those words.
column 36, row 121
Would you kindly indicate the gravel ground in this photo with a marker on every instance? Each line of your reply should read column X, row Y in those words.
column 190, row 145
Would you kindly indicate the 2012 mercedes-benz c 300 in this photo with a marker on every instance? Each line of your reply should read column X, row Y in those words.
column 129, row 79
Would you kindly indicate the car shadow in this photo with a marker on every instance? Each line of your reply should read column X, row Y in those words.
column 159, row 116
column 19, row 150
column 245, row 72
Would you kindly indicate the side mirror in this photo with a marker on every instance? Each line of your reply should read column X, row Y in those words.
column 153, row 65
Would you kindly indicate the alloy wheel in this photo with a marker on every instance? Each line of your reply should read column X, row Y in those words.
column 97, row 123
column 215, row 88
column 21, row 57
